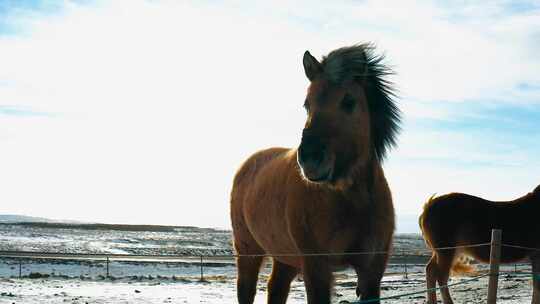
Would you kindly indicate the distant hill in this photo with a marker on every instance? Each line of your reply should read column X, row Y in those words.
column 121, row 227
column 14, row 218
column 40, row 222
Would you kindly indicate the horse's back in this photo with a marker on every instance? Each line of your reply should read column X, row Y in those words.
column 459, row 219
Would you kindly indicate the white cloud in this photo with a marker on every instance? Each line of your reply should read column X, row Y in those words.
column 156, row 103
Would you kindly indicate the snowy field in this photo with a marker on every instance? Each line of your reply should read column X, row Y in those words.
column 178, row 281
column 512, row 289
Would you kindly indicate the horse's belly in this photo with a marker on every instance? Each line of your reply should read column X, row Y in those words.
column 267, row 221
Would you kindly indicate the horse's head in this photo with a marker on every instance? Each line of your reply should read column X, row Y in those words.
column 351, row 116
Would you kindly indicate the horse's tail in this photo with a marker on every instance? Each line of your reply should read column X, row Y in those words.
column 423, row 223
column 462, row 266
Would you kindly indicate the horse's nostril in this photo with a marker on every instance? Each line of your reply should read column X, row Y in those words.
column 311, row 150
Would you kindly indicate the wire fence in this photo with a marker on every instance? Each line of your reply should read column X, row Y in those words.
column 520, row 247
column 403, row 257
column 47, row 254
column 205, row 262
column 423, row 291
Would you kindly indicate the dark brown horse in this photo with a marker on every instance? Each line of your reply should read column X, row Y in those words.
column 458, row 219
column 329, row 195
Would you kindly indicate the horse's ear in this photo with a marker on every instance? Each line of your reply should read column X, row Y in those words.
column 311, row 66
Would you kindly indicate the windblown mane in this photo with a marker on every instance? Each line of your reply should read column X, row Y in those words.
column 359, row 62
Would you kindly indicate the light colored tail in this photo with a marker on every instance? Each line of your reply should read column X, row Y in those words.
column 423, row 225
column 462, row 266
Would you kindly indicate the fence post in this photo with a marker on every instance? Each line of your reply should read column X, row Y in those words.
column 20, row 268
column 107, row 267
column 494, row 260
column 405, row 261
column 202, row 275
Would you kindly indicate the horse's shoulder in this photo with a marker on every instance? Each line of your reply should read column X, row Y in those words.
column 262, row 157
column 269, row 153
column 258, row 160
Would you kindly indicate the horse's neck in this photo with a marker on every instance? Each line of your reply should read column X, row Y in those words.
column 371, row 195
column 368, row 184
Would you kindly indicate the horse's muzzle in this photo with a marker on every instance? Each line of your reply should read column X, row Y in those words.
column 314, row 159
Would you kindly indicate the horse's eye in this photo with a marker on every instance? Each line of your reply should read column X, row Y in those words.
column 348, row 103
column 306, row 105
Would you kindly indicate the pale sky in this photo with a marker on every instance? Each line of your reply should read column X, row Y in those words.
column 141, row 111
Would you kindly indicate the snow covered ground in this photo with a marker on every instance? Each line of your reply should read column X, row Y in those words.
column 221, row 289
column 151, row 281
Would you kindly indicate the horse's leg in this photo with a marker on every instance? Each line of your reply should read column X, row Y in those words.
column 246, row 282
column 317, row 278
column 249, row 261
column 280, row 282
column 444, row 264
column 370, row 276
column 535, row 261
column 360, row 284
column 247, row 266
column 431, row 277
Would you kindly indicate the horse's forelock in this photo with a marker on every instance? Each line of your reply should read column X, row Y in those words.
column 346, row 63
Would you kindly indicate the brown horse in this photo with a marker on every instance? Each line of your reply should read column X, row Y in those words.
column 330, row 195
column 458, row 219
